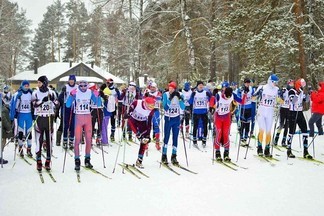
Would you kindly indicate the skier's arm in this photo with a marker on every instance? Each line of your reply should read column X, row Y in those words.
column 69, row 101
column 165, row 102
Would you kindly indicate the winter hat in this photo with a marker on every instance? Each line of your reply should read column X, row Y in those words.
column 132, row 84
column 110, row 80
column 233, row 84
column 187, row 86
column 153, row 84
column 274, row 78
column 172, row 85
column 43, row 79
column 72, row 77
column 200, row 82
column 24, row 82
column 225, row 84
column 92, row 86
column 247, row 80
column 300, row 84
column 149, row 102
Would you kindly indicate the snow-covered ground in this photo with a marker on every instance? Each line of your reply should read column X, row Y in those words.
column 290, row 187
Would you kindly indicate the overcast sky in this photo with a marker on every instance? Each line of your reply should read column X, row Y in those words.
column 36, row 8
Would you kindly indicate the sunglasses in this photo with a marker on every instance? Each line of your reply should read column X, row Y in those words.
column 82, row 86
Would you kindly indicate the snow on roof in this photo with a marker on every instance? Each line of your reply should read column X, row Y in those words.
column 54, row 69
column 107, row 75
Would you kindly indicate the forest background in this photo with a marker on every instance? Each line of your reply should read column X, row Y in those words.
column 181, row 40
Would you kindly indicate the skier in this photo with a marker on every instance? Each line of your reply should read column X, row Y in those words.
column 297, row 97
column 269, row 96
column 317, row 98
column 112, row 104
column 157, row 96
column 284, row 114
column 222, row 119
column 108, row 109
column 140, row 120
column 172, row 103
column 199, row 100
column 186, row 93
column 253, row 109
column 6, row 128
column 44, row 101
column 6, row 95
column 128, row 96
column 246, row 110
column 22, row 110
column 96, row 115
column 67, row 115
column 81, row 98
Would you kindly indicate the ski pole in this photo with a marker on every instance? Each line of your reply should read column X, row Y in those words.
column 102, row 152
column 274, row 130
column 68, row 133
column 241, row 131
column 184, row 145
column 124, row 123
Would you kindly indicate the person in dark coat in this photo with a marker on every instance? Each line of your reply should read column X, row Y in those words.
column 6, row 128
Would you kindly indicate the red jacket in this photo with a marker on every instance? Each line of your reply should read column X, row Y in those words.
column 317, row 98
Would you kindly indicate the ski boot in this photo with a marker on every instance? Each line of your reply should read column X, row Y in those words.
column 3, row 161
column 243, row 142
column 290, row 154
column 48, row 164
column 112, row 138
column 226, row 156
column 87, row 163
column 218, row 156
column 98, row 141
column 260, row 151
column 71, row 145
column 306, row 154
column 130, row 138
column 39, row 165
column 204, row 143
column 65, row 144
column 21, row 151
column 195, row 144
column 275, row 142
column 283, row 142
column 139, row 163
column 267, row 151
column 157, row 145
column 77, row 163
column 29, row 154
column 174, row 160
column 164, row 159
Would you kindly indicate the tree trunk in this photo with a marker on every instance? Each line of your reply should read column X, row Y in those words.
column 188, row 35
column 298, row 10
column 139, row 44
column 52, row 46
column 212, row 61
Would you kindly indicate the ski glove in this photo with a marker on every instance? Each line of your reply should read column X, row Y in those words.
column 73, row 92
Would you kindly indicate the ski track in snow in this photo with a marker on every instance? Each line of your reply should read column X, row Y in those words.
column 291, row 187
